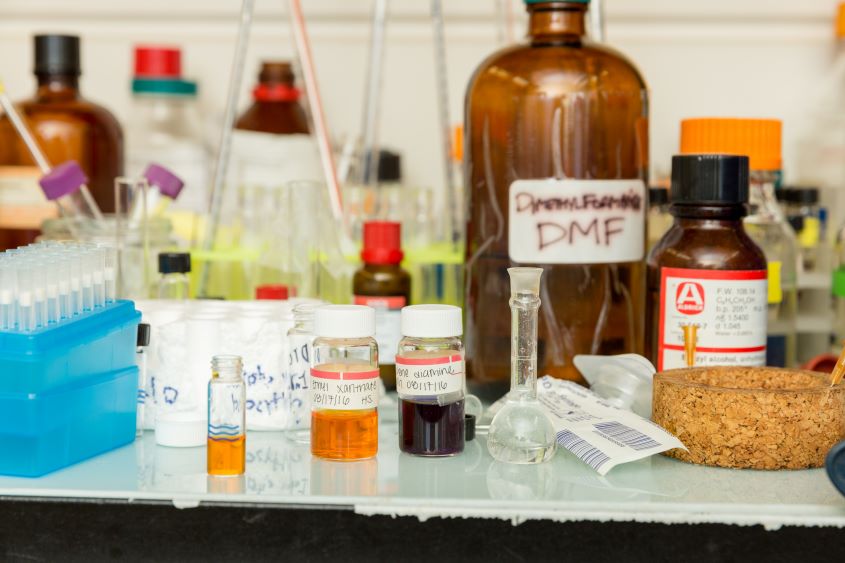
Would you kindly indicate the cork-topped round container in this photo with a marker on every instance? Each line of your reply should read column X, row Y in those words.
column 746, row 417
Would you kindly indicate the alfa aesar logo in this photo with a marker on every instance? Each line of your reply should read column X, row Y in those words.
column 689, row 299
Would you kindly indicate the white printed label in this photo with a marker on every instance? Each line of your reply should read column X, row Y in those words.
column 712, row 318
column 598, row 433
column 349, row 391
column 576, row 221
column 388, row 323
column 425, row 377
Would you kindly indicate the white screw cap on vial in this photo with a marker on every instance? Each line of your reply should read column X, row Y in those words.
column 345, row 321
column 432, row 321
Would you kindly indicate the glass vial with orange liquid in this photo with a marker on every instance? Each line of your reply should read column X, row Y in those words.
column 226, row 417
column 344, row 383
column 707, row 289
column 555, row 159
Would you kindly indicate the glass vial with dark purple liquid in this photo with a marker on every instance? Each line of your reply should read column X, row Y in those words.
column 430, row 381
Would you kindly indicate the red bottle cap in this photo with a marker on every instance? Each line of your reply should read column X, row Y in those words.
column 158, row 62
column 271, row 292
column 382, row 243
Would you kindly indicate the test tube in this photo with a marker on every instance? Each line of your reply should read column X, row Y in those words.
column 64, row 287
column 86, row 278
column 64, row 185
column 52, row 285
column 25, row 310
column 164, row 187
column 8, row 283
column 110, row 273
column 97, row 258
column 75, row 282
column 39, row 289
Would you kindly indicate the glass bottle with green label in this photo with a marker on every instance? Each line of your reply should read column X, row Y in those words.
column 556, row 157
column 760, row 140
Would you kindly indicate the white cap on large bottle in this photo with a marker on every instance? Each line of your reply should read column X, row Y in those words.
column 431, row 321
column 345, row 321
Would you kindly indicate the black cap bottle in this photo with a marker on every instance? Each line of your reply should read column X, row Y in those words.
column 707, row 280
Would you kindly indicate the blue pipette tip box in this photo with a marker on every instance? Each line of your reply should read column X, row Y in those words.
column 68, row 391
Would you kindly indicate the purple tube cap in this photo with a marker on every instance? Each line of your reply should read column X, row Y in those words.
column 62, row 180
column 168, row 183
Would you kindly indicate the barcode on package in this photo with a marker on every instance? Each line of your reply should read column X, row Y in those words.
column 618, row 432
column 582, row 449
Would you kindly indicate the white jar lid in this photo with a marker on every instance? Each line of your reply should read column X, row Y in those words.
column 183, row 429
column 432, row 321
column 345, row 321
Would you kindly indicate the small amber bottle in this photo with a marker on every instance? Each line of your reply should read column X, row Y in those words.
column 382, row 284
column 275, row 107
column 707, row 289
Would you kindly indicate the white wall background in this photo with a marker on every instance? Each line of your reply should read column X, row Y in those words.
column 754, row 58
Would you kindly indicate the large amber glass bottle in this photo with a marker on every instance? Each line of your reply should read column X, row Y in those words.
column 556, row 156
column 67, row 126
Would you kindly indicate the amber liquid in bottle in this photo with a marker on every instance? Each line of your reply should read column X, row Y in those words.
column 68, row 127
column 226, row 456
column 344, row 435
column 701, row 238
column 275, row 108
column 556, row 107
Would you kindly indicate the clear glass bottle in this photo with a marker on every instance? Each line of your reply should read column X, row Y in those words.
column 300, row 340
column 430, row 381
column 760, row 139
column 521, row 432
column 226, row 417
column 344, row 383
column 174, row 268
column 166, row 128
column 557, row 118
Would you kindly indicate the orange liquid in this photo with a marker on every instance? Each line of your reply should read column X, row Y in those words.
column 227, row 457
column 344, row 435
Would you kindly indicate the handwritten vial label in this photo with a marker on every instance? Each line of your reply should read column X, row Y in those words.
column 388, row 323
column 425, row 377
column 576, row 221
column 348, row 391
column 712, row 318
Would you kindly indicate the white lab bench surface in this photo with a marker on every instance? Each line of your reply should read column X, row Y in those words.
column 284, row 474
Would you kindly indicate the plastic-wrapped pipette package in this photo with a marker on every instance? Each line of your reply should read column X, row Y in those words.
column 598, row 433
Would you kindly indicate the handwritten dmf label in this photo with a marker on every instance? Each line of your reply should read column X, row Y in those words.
column 338, row 390
column 424, row 377
column 711, row 318
column 576, row 221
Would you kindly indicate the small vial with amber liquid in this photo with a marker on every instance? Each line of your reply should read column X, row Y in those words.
column 344, row 383
column 226, row 417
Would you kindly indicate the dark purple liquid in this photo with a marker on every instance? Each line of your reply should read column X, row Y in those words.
column 431, row 429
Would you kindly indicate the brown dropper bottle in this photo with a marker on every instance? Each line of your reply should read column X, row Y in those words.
column 707, row 294
column 382, row 284
column 66, row 126
column 559, row 108
column 275, row 107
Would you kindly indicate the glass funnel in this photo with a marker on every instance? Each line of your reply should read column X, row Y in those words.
column 521, row 432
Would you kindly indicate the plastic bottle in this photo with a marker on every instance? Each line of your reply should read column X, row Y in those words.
column 344, row 383
column 166, row 128
column 564, row 118
column 67, row 126
column 381, row 283
column 174, row 268
column 705, row 262
column 760, row 139
column 430, row 381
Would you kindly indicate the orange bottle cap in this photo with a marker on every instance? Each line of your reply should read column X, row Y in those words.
column 759, row 139
column 840, row 21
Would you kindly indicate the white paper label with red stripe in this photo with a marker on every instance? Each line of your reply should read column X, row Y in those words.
column 426, row 377
column 349, row 391
column 388, row 323
column 722, row 312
